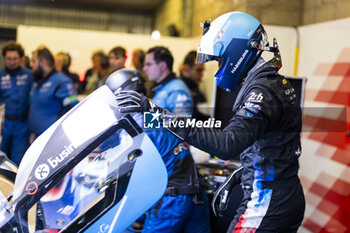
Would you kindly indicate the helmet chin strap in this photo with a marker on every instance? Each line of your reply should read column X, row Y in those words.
column 276, row 60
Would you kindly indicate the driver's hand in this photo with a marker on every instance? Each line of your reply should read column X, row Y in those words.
column 132, row 101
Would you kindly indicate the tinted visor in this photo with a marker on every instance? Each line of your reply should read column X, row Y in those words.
column 202, row 58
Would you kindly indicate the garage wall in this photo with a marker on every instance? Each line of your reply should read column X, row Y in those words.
column 81, row 44
column 325, row 172
column 54, row 14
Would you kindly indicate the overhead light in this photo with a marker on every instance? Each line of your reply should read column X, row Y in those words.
column 156, row 35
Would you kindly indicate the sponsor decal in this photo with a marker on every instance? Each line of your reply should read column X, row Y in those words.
column 54, row 161
column 249, row 32
column 227, row 24
column 245, row 113
column 5, row 78
column 252, row 105
column 181, row 97
column 179, row 148
column 42, row 171
column 48, row 84
column 289, row 91
column 5, row 82
column 21, row 77
column 255, row 98
column 21, row 82
column 45, row 87
column 104, row 228
column 239, row 61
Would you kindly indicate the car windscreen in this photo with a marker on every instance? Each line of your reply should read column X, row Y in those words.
column 97, row 181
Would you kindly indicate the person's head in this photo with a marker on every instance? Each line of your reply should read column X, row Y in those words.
column 42, row 64
column 126, row 79
column 41, row 46
column 138, row 58
column 158, row 63
column 192, row 70
column 100, row 61
column 62, row 61
column 116, row 58
column 25, row 62
column 12, row 53
column 234, row 40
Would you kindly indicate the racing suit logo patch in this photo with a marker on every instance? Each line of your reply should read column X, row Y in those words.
column 255, row 98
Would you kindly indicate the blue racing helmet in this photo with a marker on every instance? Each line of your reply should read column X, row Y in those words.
column 234, row 40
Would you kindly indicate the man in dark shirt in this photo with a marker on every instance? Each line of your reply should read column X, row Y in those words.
column 192, row 75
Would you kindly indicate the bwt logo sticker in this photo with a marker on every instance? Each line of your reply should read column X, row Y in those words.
column 151, row 120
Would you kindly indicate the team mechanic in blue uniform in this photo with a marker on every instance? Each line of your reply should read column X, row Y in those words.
column 264, row 130
column 53, row 93
column 184, row 206
column 181, row 209
column 15, row 86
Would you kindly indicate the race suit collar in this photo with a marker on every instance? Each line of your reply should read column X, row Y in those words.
column 167, row 79
column 257, row 65
column 14, row 71
column 190, row 83
column 52, row 72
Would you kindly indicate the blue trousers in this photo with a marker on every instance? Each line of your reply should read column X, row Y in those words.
column 15, row 139
column 178, row 214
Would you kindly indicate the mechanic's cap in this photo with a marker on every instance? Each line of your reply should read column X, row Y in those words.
column 126, row 79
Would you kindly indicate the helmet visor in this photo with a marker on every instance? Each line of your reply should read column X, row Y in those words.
column 202, row 58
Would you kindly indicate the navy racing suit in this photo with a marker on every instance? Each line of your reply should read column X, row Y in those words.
column 15, row 89
column 264, row 133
